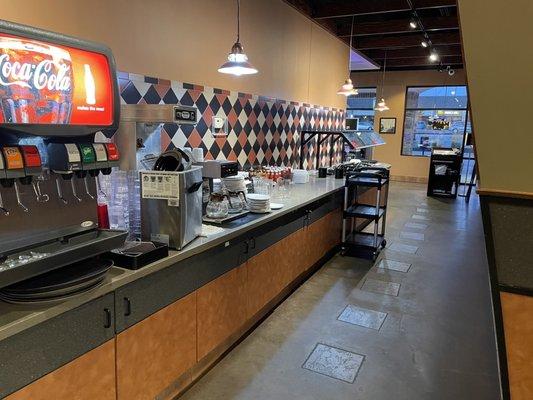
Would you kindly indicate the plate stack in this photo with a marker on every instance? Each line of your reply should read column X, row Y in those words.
column 258, row 203
column 235, row 183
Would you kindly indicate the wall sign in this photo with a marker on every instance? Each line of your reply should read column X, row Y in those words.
column 43, row 83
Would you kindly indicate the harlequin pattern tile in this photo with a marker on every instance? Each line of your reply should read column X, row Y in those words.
column 261, row 130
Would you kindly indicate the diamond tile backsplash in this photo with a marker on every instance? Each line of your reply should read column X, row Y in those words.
column 261, row 130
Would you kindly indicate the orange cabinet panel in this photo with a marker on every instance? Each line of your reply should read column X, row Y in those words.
column 222, row 309
column 517, row 311
column 155, row 352
column 266, row 278
column 88, row 377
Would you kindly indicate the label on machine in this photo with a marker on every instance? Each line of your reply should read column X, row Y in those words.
column 160, row 185
column 13, row 157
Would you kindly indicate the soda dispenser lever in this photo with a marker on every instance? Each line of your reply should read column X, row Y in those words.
column 33, row 169
column 3, row 177
column 14, row 169
column 88, row 165
column 65, row 160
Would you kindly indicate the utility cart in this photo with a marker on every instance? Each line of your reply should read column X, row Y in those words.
column 355, row 242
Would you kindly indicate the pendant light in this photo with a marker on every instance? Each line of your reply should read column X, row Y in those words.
column 237, row 63
column 382, row 106
column 347, row 88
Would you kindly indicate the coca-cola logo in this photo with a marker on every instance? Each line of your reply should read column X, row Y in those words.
column 38, row 76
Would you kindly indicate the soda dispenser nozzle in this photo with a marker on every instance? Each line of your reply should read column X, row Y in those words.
column 19, row 201
column 60, row 192
column 34, row 171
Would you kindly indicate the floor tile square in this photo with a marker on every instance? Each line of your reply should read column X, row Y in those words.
column 420, row 217
column 422, row 210
column 363, row 317
column 404, row 248
column 416, row 225
column 399, row 266
column 381, row 287
column 412, row 235
column 335, row 363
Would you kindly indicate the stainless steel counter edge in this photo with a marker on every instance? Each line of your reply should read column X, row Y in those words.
column 15, row 318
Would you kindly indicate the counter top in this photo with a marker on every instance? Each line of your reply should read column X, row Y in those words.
column 16, row 318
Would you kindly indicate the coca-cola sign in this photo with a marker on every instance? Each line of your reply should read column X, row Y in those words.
column 42, row 83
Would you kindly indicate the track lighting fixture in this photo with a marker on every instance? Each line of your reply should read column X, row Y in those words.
column 433, row 56
column 423, row 43
column 413, row 24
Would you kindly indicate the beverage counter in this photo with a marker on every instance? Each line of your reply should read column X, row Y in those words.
column 163, row 325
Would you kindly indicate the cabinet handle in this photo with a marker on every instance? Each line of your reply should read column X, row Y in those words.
column 253, row 243
column 107, row 321
column 127, row 307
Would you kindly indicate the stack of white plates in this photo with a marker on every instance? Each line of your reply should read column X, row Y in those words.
column 235, row 183
column 258, row 203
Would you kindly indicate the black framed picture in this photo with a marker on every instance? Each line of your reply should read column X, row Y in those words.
column 387, row 125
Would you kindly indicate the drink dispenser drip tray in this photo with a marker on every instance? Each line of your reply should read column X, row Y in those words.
column 59, row 284
column 59, row 265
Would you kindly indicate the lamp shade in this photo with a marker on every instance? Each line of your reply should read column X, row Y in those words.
column 237, row 63
column 347, row 88
column 381, row 106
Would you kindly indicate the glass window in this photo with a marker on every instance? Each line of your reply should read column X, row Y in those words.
column 434, row 117
column 361, row 108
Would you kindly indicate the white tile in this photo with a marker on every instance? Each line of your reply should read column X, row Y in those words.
column 381, row 287
column 404, row 248
column 399, row 266
column 412, row 235
column 363, row 317
column 420, row 217
column 422, row 210
column 416, row 225
column 335, row 363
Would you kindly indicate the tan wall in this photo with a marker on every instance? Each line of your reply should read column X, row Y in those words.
column 413, row 168
column 187, row 40
column 499, row 64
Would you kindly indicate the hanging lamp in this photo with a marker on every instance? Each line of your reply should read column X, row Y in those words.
column 347, row 88
column 381, row 105
column 237, row 63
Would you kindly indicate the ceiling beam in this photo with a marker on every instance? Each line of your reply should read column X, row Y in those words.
column 401, row 41
column 366, row 7
column 423, row 61
column 410, row 52
column 396, row 26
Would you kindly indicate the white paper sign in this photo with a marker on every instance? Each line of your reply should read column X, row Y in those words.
column 160, row 185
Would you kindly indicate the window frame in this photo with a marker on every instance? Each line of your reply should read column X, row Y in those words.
column 405, row 109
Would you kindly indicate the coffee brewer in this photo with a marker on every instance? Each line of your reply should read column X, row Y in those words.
column 49, row 161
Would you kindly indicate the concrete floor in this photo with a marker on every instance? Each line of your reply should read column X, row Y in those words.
column 437, row 339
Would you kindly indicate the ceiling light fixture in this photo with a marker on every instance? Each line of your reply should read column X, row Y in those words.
column 424, row 43
column 413, row 24
column 347, row 88
column 433, row 56
column 237, row 63
column 381, row 105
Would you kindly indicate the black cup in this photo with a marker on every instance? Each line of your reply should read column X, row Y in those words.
column 339, row 173
column 322, row 172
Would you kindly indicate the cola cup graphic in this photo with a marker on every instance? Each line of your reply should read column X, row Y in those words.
column 36, row 82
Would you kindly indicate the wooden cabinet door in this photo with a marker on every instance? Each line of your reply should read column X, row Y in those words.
column 222, row 309
column 266, row 277
column 88, row 377
column 154, row 353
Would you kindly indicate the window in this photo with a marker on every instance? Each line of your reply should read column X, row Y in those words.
column 435, row 116
column 361, row 108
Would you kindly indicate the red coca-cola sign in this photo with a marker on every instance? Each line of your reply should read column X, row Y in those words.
column 44, row 83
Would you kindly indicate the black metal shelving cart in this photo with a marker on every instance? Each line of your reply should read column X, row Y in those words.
column 357, row 242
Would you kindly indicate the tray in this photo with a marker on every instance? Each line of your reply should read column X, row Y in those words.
column 139, row 260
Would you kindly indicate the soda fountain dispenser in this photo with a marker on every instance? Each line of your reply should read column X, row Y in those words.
column 49, row 163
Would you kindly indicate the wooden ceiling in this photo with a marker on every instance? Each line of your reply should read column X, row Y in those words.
column 381, row 27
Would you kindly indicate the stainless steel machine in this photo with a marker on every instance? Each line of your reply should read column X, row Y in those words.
column 170, row 188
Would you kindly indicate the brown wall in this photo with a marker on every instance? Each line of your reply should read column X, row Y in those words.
column 412, row 168
column 499, row 64
column 187, row 40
